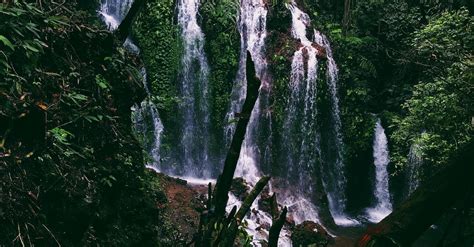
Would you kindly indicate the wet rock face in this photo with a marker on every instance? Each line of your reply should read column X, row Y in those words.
column 310, row 233
column 265, row 202
column 240, row 188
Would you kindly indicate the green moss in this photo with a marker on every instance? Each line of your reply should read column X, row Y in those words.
column 280, row 49
column 223, row 50
column 157, row 36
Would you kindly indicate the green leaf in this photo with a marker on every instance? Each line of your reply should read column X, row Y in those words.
column 102, row 85
column 61, row 135
column 101, row 82
column 7, row 42
column 31, row 48
column 91, row 119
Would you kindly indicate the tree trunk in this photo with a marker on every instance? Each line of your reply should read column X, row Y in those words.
column 231, row 232
column 218, row 198
column 346, row 21
column 275, row 229
column 225, row 179
column 125, row 26
column 404, row 225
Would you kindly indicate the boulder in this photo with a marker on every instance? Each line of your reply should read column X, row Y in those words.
column 240, row 188
column 290, row 220
column 265, row 202
column 310, row 233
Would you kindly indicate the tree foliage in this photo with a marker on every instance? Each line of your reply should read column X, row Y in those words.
column 71, row 172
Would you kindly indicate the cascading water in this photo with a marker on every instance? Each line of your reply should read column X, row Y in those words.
column 381, row 161
column 300, row 138
column 334, row 178
column 193, row 152
column 252, row 28
column 114, row 11
column 147, row 120
column 145, row 116
column 253, row 17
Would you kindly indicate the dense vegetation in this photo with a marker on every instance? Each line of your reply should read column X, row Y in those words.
column 72, row 172
column 398, row 60
column 406, row 62
column 219, row 23
column 156, row 33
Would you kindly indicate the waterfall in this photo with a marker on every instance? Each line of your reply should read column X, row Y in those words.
column 300, row 144
column 381, row 191
column 193, row 151
column 301, row 141
column 252, row 28
column 147, row 120
column 114, row 11
column 334, row 177
column 145, row 116
column 301, row 137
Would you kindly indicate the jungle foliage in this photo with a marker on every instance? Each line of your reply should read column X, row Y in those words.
column 71, row 171
column 395, row 59
column 410, row 63
column 157, row 34
column 219, row 23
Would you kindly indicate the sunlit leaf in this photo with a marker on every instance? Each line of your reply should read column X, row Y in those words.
column 7, row 42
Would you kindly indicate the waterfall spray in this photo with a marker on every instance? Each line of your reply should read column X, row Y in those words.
column 301, row 141
column 145, row 116
column 114, row 11
column 383, row 205
column 193, row 93
column 252, row 28
column 334, row 176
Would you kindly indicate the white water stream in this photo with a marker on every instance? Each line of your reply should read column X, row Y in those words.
column 114, row 11
column 194, row 96
column 301, row 141
column 194, row 110
column 383, row 205
column 146, row 118
column 302, row 109
column 335, row 178
column 252, row 29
